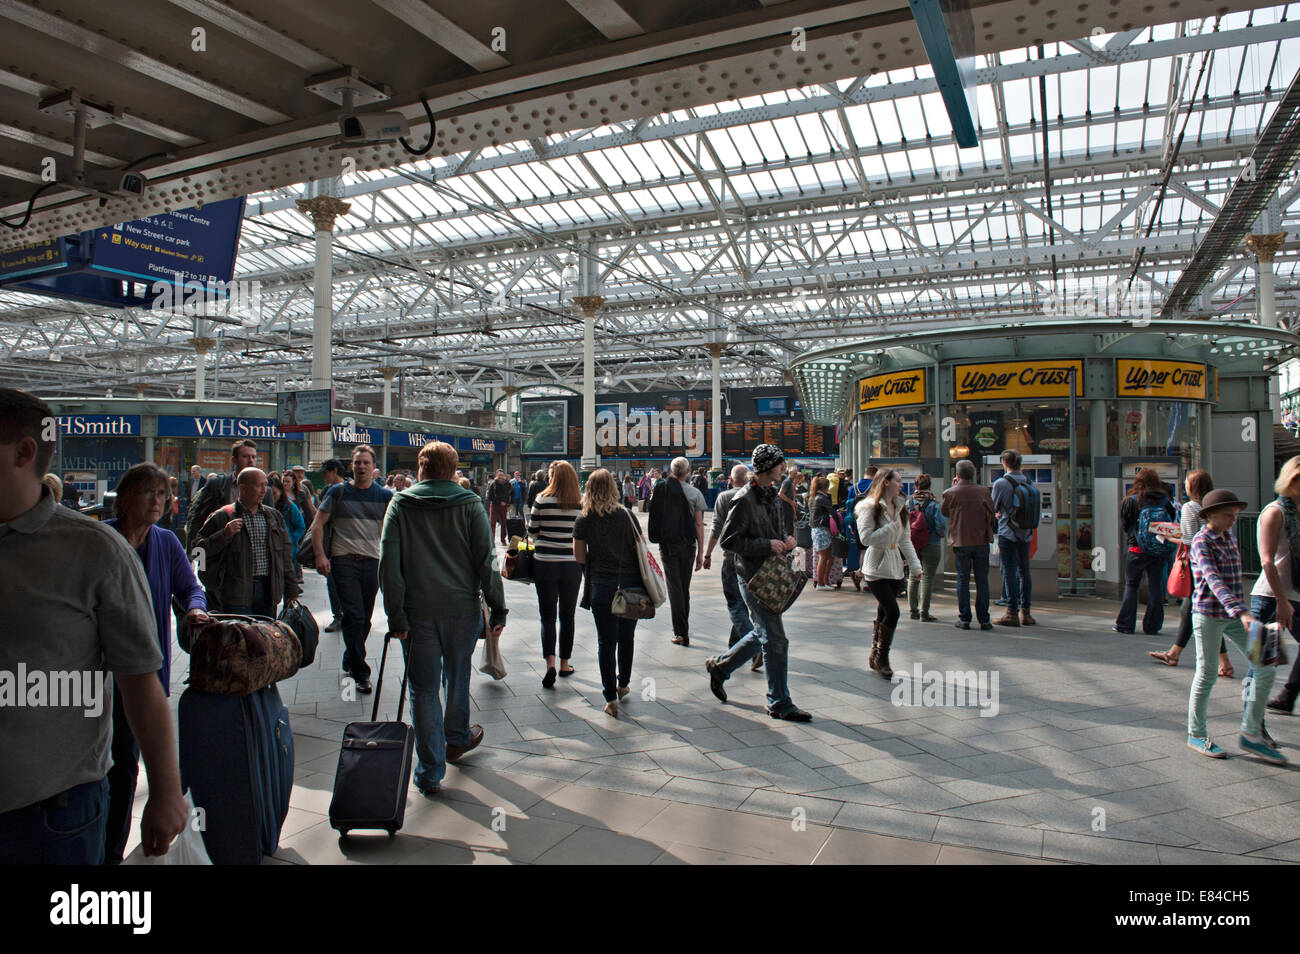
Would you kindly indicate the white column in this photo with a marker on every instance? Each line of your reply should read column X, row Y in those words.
column 201, row 348
column 388, row 373
column 1265, row 247
column 589, row 304
column 323, row 210
column 715, row 354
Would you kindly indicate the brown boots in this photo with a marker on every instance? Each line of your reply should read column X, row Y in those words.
column 1026, row 619
column 882, row 652
column 1010, row 619
column 875, row 645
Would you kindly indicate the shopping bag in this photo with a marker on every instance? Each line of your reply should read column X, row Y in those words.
column 491, row 662
column 187, row 849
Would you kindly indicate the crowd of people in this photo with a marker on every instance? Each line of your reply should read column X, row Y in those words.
column 430, row 545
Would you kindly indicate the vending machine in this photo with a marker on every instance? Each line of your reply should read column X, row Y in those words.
column 1044, row 568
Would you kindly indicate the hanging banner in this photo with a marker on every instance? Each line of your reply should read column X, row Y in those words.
column 1151, row 378
column 1012, row 380
column 895, row 389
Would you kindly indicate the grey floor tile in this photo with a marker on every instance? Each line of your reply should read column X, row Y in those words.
column 889, row 821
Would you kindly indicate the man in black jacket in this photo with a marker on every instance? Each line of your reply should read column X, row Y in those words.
column 752, row 534
column 220, row 489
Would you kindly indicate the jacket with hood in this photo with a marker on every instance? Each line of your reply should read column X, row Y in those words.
column 1129, row 511
column 436, row 555
column 890, row 553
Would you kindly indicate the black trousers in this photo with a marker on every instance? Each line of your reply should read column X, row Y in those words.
column 886, row 594
column 121, row 783
column 679, row 563
column 557, row 584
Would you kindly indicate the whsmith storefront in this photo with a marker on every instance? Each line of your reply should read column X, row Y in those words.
column 1086, row 403
column 98, row 439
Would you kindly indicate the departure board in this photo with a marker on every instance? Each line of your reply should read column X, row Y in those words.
column 575, row 441
column 753, row 435
column 792, row 441
column 813, row 439
column 732, row 438
column 772, row 433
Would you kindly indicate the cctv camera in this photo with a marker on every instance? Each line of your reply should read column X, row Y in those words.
column 372, row 127
column 109, row 183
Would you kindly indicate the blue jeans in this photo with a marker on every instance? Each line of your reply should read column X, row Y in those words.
column 65, row 829
column 614, row 634
column 767, row 637
column 736, row 608
column 1015, row 570
column 439, row 652
column 357, row 580
column 261, row 600
column 1210, row 634
column 1264, row 609
column 978, row 559
column 1152, row 566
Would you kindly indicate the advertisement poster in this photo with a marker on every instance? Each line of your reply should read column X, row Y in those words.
column 910, row 425
column 1049, row 429
column 298, row 411
column 545, row 423
column 169, row 459
column 986, row 432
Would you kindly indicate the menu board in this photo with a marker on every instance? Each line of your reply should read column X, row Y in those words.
column 793, row 440
column 753, row 434
column 732, row 442
column 772, row 432
column 911, row 427
column 813, row 439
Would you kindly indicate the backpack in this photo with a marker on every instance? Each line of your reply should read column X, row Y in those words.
column 1026, row 505
column 937, row 522
column 920, row 528
column 1148, row 542
column 851, row 524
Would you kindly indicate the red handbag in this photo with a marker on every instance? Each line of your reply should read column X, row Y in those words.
column 1180, row 577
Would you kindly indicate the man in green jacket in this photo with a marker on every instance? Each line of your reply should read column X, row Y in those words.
column 436, row 559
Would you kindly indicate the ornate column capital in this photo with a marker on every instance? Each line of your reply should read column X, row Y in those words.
column 323, row 210
column 1265, row 246
column 589, row 303
column 203, row 345
column 389, row 372
column 715, row 349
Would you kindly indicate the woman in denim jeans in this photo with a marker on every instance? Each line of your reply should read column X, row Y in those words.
column 604, row 541
column 1219, row 612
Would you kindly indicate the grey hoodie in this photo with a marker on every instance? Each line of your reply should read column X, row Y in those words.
column 436, row 555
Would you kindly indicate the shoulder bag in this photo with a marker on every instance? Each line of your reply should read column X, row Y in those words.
column 632, row 602
column 235, row 655
column 652, row 575
column 1180, row 577
column 777, row 584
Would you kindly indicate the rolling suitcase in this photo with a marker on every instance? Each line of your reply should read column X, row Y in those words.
column 374, row 770
column 236, row 758
column 515, row 527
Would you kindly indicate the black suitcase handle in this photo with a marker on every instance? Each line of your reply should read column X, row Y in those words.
column 379, row 684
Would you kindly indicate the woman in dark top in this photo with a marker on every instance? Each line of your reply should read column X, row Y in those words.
column 1148, row 493
column 604, row 540
column 820, row 523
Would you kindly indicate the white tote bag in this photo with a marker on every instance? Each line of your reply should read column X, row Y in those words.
column 652, row 574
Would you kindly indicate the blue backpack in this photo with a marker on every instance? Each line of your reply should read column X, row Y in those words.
column 1148, row 542
column 1026, row 505
column 937, row 521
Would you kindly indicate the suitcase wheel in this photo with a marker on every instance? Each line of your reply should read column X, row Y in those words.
column 392, row 832
column 343, row 832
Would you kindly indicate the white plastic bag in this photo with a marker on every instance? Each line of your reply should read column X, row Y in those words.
column 491, row 663
column 187, row 849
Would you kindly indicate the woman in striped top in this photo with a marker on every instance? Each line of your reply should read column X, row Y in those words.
column 556, row 574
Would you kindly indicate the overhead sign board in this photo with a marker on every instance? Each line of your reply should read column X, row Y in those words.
column 1014, row 380
column 894, row 389
column 99, row 425
column 298, row 411
column 1154, row 378
column 220, row 428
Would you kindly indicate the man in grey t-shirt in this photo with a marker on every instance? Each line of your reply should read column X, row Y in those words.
column 79, row 606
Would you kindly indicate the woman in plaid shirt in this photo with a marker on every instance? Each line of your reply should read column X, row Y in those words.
column 1219, row 612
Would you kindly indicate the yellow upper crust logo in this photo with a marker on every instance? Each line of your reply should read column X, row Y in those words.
column 895, row 389
column 1149, row 377
column 1003, row 380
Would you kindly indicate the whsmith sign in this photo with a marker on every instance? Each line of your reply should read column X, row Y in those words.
column 1012, row 380
column 1152, row 378
column 895, row 389
column 99, row 425
column 233, row 428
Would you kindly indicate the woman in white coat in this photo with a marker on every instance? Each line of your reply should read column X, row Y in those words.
column 882, row 526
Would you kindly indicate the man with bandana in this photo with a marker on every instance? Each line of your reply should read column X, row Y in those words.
column 751, row 534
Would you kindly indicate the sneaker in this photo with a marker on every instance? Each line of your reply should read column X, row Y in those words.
column 1260, row 749
column 1126, row 632
column 335, row 625
column 1205, row 747
column 428, row 791
column 681, row 640
column 716, row 679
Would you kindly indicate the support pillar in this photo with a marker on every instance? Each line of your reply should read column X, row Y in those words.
column 715, row 354
column 323, row 210
column 201, row 347
column 589, row 304
column 389, row 373
column 1265, row 246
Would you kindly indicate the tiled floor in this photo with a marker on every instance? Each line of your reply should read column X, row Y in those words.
column 1084, row 760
